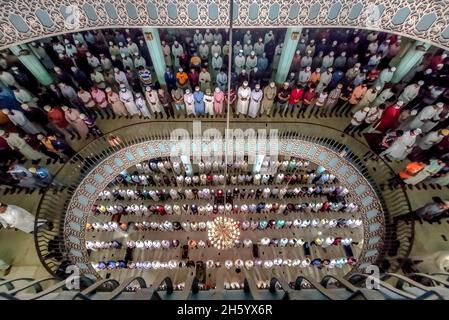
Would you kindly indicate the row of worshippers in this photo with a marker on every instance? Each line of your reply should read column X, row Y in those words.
column 200, row 244
column 245, row 178
column 206, row 193
column 228, row 264
column 170, row 226
column 160, row 165
column 262, row 207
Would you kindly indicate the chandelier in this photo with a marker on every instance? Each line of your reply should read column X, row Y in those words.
column 223, row 232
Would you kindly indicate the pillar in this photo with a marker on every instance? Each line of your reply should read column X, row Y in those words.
column 157, row 56
column 288, row 50
column 32, row 63
column 412, row 58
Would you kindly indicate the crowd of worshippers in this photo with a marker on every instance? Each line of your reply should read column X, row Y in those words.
column 333, row 72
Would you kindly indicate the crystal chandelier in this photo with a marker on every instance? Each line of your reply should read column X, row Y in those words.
column 223, row 232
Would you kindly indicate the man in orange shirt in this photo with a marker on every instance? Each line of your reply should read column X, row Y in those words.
column 315, row 77
column 357, row 95
column 182, row 78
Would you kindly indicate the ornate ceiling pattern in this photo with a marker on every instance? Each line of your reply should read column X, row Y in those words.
column 426, row 20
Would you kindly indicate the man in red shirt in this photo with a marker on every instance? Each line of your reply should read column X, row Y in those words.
column 57, row 119
column 308, row 100
column 295, row 99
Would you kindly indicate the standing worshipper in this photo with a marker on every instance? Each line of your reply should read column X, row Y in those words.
column 204, row 79
column 127, row 97
column 167, row 53
column 178, row 98
column 99, row 97
column 120, row 78
column 410, row 92
column 117, row 105
column 244, row 94
column 166, row 102
column 218, row 101
column 153, row 101
column 15, row 142
column 425, row 115
column 256, row 98
column 368, row 99
column 198, row 97
column 12, row 216
column 91, row 125
column 189, row 103
column 73, row 118
column 208, row 103
column 142, row 106
column 295, row 99
column 402, row 146
column 385, row 77
column 357, row 119
column 325, row 78
column 19, row 119
column 222, row 80
column 269, row 94
column 389, row 119
column 332, row 100
column 57, row 118
column 432, row 211
column 24, row 176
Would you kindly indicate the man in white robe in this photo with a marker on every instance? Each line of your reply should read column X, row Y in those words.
column 17, row 143
column 403, row 145
column 19, row 119
column 256, row 98
column 153, row 101
column 243, row 93
column 16, row 217
column 142, row 106
column 410, row 92
column 126, row 96
column 425, row 115
column 189, row 102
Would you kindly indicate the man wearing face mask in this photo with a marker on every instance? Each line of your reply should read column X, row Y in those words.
column 225, row 49
column 244, row 94
column 282, row 98
column 132, row 47
column 328, row 60
column 203, row 51
column 42, row 55
column 236, row 49
column 385, row 77
column 259, row 47
column 176, row 50
column 120, row 78
column 247, row 48
column 269, row 94
column 222, row 80
column 127, row 97
column 251, row 61
column 197, row 37
column 262, row 63
column 167, row 53
column 304, row 76
column 198, row 97
column 247, row 37
column 306, row 61
column 239, row 62
column 215, row 49
column 269, row 36
column 254, row 105
column 218, row 37
column 143, row 49
column 208, row 37
column 352, row 73
column 340, row 61
column 217, row 64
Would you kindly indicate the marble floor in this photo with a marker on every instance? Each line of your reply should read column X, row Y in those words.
column 18, row 249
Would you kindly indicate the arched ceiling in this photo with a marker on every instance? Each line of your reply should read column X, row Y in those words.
column 24, row 21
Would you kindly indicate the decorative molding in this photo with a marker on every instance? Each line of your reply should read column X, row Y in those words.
column 97, row 180
column 425, row 20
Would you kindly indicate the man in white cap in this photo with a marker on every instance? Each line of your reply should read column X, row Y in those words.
column 277, row 56
column 325, row 78
column 251, row 61
column 215, row 49
column 176, row 50
column 203, row 51
column 142, row 106
column 367, row 99
column 259, row 47
column 410, row 92
column 247, row 48
column 127, row 97
column 153, row 101
column 236, row 48
column 120, row 78
column 426, row 117
column 189, row 103
column 304, row 76
column 15, row 142
column 19, row 119
column 239, row 62
column 197, row 37
column 357, row 119
column 256, row 98
column 328, row 60
column 269, row 94
column 217, row 64
column 403, row 145
column 244, row 94
column 208, row 37
column 127, row 62
column 132, row 47
column 385, row 77
column 247, row 37
column 389, row 118
column 167, row 53
column 12, row 216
